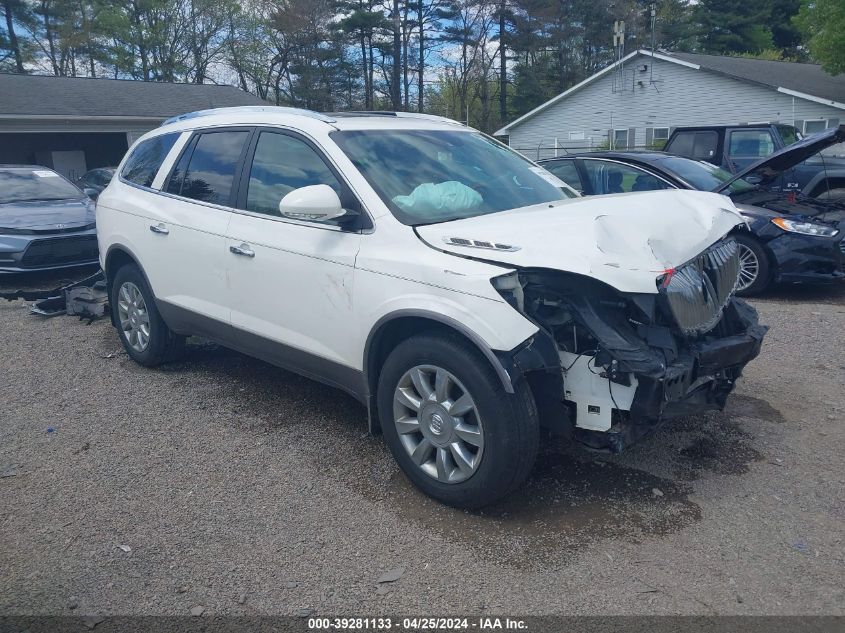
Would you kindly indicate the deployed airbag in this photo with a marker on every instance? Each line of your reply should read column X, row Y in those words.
column 443, row 199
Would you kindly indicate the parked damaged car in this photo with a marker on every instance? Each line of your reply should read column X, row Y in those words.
column 449, row 284
column 789, row 238
column 46, row 222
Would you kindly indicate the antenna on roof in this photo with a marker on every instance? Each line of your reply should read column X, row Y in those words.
column 653, row 12
column 619, row 46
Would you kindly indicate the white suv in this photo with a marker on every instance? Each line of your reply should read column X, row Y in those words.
column 455, row 288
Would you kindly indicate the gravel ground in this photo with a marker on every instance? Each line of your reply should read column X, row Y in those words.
column 226, row 483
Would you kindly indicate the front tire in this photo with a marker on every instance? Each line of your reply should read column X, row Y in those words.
column 451, row 427
column 754, row 271
column 144, row 334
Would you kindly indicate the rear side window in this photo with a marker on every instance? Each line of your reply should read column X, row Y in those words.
column 695, row 145
column 566, row 171
column 207, row 171
column 146, row 159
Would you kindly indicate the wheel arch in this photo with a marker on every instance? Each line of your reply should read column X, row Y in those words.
column 118, row 256
column 398, row 326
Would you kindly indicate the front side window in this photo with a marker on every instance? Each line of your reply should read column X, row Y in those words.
column 146, row 159
column 608, row 177
column 281, row 164
column 751, row 144
column 789, row 134
column 206, row 172
column 428, row 176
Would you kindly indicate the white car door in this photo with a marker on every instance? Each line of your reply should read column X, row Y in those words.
column 291, row 281
column 187, row 242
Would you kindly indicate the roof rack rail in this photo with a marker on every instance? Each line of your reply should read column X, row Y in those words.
column 247, row 109
column 398, row 115
column 429, row 117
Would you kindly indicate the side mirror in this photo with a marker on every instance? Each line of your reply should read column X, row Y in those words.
column 91, row 193
column 317, row 203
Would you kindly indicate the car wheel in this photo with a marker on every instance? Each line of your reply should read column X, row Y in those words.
column 754, row 269
column 451, row 427
column 143, row 332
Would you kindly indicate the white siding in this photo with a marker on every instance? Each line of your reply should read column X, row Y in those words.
column 680, row 96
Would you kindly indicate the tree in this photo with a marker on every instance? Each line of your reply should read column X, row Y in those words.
column 823, row 24
column 11, row 45
column 734, row 27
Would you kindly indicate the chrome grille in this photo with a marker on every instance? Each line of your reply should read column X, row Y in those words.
column 698, row 291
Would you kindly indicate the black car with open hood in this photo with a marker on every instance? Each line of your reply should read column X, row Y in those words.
column 789, row 237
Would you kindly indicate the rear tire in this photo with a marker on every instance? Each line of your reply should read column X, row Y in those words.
column 144, row 334
column 482, row 441
column 755, row 271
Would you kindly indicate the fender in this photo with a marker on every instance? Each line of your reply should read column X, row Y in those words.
column 492, row 356
column 821, row 177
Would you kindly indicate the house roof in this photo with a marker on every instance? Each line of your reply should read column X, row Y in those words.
column 73, row 97
column 806, row 81
column 809, row 79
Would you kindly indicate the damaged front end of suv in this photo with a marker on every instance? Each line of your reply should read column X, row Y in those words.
column 606, row 366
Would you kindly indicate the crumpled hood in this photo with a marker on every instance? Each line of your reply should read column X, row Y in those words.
column 42, row 215
column 624, row 240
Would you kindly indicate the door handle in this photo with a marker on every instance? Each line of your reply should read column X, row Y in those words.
column 243, row 249
column 159, row 228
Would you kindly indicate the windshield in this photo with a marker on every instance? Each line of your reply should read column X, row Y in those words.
column 429, row 176
column 702, row 175
column 20, row 185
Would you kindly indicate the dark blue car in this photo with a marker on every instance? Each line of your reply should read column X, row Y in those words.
column 790, row 238
column 46, row 222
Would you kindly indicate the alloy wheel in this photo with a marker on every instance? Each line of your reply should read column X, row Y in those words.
column 133, row 316
column 749, row 267
column 438, row 424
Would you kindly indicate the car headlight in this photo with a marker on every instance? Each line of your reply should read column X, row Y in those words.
column 804, row 228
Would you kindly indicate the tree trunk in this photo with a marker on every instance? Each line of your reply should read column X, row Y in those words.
column 397, row 60
column 13, row 38
column 503, row 68
column 367, row 97
column 421, row 70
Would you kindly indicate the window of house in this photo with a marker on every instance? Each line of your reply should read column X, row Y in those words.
column 146, row 159
column 813, row 127
column 620, row 139
column 281, row 164
column 207, row 172
column 576, row 136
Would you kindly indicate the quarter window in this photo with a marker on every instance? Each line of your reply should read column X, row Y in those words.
column 566, row 171
column 207, row 173
column 146, row 159
column 281, row 164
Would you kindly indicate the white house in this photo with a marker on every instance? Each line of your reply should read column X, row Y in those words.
column 637, row 101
